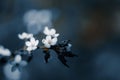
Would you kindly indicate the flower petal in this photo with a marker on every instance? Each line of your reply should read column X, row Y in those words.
column 27, row 43
column 32, row 40
column 29, row 49
column 55, row 35
column 34, row 48
column 52, row 32
column 36, row 42
column 46, row 31
column 29, row 36
column 20, row 36
column 48, row 38
column 54, row 41
column 47, row 45
column 18, row 58
column 24, row 34
column 44, row 41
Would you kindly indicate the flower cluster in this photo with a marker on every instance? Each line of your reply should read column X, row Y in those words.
column 23, row 56
column 31, row 44
column 62, row 49
column 51, row 37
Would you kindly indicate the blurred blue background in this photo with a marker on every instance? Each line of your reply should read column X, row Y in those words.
column 93, row 26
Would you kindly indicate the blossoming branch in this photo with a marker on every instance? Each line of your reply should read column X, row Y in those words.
column 23, row 56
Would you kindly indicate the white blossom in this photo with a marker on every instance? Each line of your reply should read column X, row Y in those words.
column 50, row 32
column 49, row 41
column 17, row 59
column 4, row 51
column 32, row 44
column 25, row 35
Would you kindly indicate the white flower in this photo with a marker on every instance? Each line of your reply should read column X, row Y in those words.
column 4, row 52
column 32, row 44
column 50, row 32
column 25, row 35
column 49, row 41
column 18, row 59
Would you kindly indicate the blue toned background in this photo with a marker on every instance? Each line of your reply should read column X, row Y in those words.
column 93, row 26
